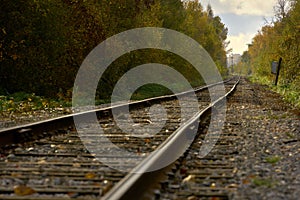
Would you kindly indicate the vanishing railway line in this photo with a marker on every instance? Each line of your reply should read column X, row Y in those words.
column 55, row 164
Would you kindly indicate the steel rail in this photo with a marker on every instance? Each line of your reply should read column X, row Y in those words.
column 137, row 185
column 18, row 134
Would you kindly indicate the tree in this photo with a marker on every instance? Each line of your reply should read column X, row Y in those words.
column 279, row 39
column 281, row 9
column 43, row 42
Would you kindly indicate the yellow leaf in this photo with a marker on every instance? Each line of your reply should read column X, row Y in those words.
column 23, row 190
column 90, row 175
column 15, row 174
column 213, row 185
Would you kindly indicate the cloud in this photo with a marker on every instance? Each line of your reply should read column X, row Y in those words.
column 239, row 42
column 242, row 7
column 242, row 23
column 243, row 18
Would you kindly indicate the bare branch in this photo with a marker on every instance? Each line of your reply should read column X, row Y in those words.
column 281, row 9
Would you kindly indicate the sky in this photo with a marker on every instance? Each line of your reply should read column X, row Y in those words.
column 243, row 18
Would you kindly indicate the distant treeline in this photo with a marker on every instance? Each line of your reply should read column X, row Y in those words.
column 43, row 42
column 280, row 38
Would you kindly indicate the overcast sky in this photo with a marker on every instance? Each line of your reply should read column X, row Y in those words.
column 243, row 18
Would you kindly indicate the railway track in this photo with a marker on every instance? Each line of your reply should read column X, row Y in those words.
column 56, row 163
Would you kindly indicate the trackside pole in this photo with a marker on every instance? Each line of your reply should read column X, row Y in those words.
column 278, row 70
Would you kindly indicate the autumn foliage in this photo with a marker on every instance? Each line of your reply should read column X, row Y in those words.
column 43, row 42
column 280, row 38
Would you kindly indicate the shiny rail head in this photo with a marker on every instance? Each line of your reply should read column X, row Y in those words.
column 177, row 143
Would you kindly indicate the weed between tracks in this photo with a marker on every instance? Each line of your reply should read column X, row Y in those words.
column 264, row 182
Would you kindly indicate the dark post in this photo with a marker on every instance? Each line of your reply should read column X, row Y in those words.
column 278, row 70
column 232, row 70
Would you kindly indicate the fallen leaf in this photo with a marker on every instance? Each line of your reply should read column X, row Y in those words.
column 246, row 181
column 15, row 174
column 73, row 194
column 90, row 175
column 106, row 186
column 192, row 198
column 188, row 181
column 42, row 162
column 232, row 186
column 189, row 178
column 23, row 190
column 213, row 185
column 215, row 198
column 76, row 165
column 147, row 140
